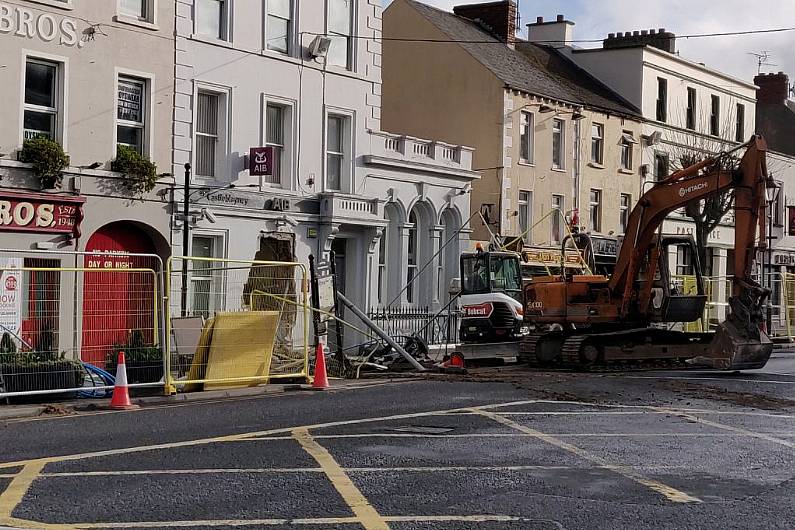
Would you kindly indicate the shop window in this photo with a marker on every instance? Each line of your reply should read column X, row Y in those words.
column 205, row 282
column 42, row 99
column 41, row 304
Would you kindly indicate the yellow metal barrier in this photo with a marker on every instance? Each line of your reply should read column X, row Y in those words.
column 235, row 322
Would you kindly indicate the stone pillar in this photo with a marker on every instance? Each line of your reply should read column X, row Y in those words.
column 399, row 265
column 434, row 297
column 373, row 239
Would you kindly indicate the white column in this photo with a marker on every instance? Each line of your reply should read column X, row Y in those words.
column 436, row 234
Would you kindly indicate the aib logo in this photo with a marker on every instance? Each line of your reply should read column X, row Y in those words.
column 11, row 283
column 261, row 158
column 260, row 161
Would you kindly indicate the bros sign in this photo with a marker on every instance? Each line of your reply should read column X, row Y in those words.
column 260, row 161
column 40, row 213
column 23, row 22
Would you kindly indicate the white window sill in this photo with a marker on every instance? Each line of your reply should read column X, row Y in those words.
column 55, row 3
column 626, row 171
column 212, row 40
column 526, row 163
column 596, row 165
column 273, row 54
column 123, row 19
column 559, row 169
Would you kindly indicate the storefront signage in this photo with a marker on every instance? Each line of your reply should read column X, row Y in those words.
column 784, row 259
column 233, row 199
column 260, row 161
column 130, row 98
column 29, row 24
column 40, row 213
column 11, row 296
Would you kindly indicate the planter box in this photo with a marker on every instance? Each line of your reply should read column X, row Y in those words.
column 54, row 375
column 139, row 372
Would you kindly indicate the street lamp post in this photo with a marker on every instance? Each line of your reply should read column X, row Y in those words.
column 185, row 239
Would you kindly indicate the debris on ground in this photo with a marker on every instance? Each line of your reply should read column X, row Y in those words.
column 56, row 410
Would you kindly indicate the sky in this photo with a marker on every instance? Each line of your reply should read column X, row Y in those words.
column 594, row 19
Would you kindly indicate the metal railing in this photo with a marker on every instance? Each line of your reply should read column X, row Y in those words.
column 434, row 328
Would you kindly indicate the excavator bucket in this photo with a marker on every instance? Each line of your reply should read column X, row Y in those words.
column 732, row 349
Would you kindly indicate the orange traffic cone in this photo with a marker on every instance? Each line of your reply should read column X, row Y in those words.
column 320, row 381
column 121, row 393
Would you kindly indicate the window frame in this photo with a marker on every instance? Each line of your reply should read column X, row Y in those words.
column 598, row 142
column 346, row 154
column 624, row 211
column 61, row 94
column 661, row 110
column 290, row 39
column 739, row 123
column 659, row 155
column 625, row 146
column 560, row 152
column 525, row 209
column 527, row 135
column 288, row 141
column 692, row 109
column 412, row 258
column 225, row 22
column 714, row 115
column 557, row 221
column 147, row 134
column 595, row 210
column 219, row 251
column 350, row 38
column 224, row 117
column 148, row 20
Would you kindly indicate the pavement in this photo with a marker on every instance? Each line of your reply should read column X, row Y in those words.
column 499, row 448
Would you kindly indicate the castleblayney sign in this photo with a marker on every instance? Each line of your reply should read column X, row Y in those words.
column 260, row 161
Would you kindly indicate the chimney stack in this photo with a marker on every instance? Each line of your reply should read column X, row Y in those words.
column 499, row 18
column 773, row 88
column 660, row 39
column 559, row 32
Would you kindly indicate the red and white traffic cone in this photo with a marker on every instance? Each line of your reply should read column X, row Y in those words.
column 320, row 381
column 121, row 392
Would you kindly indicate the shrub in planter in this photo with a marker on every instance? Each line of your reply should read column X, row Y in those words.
column 33, row 370
column 140, row 174
column 48, row 159
column 144, row 362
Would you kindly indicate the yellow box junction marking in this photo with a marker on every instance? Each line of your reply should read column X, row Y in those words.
column 670, row 493
column 369, row 518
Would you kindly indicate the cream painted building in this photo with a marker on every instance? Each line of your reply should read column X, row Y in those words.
column 547, row 136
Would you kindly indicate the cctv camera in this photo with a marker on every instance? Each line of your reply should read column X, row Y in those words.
column 210, row 216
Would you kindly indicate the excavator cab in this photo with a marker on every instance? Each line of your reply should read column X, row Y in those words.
column 677, row 290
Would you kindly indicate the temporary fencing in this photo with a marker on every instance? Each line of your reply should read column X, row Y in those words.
column 64, row 316
column 235, row 323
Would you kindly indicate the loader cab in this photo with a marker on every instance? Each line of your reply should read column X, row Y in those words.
column 491, row 297
column 677, row 292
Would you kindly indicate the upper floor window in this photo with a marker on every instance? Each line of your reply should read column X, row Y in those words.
column 526, row 141
column 714, row 117
column 595, row 210
column 661, row 165
column 624, row 211
column 275, row 118
column 557, row 218
column 42, row 99
column 558, row 143
column 131, row 113
column 134, row 8
column 662, row 99
column 340, row 31
column 691, row 109
column 279, row 25
column 212, row 18
column 335, row 152
column 525, row 214
column 627, row 144
column 208, row 136
column 739, row 134
column 597, row 143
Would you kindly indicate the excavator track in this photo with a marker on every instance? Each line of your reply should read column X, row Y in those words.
column 528, row 347
column 572, row 348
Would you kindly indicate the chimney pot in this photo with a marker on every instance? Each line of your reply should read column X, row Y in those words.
column 652, row 32
column 661, row 30
column 539, row 20
column 636, row 33
column 611, row 35
column 644, row 32
column 560, row 18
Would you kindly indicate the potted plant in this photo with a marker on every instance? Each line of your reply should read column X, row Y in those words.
column 28, row 371
column 140, row 174
column 144, row 362
column 48, row 159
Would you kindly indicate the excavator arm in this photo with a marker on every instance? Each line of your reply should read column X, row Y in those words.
column 701, row 181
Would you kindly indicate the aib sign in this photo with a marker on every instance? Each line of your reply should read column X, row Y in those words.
column 260, row 161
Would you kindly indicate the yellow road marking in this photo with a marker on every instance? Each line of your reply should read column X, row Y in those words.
column 670, row 493
column 522, row 435
column 369, row 518
column 244, row 436
column 13, row 495
column 730, row 428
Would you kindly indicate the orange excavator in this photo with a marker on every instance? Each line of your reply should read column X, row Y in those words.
column 584, row 320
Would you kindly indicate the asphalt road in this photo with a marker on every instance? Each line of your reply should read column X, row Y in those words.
column 497, row 449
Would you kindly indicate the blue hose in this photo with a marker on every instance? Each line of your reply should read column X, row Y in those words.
column 107, row 380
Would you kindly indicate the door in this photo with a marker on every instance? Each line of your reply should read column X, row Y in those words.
column 117, row 303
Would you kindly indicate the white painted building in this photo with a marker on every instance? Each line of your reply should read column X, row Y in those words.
column 246, row 77
column 687, row 107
